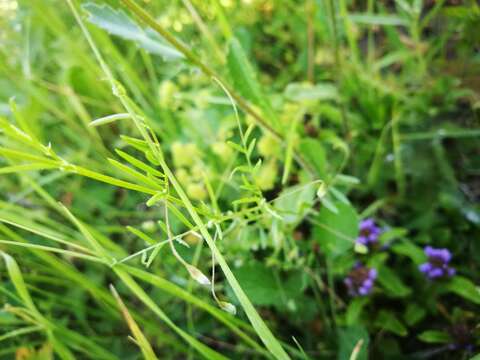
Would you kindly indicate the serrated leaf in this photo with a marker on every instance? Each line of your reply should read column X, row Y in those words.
column 117, row 23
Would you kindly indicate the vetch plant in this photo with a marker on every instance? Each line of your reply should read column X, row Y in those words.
column 221, row 175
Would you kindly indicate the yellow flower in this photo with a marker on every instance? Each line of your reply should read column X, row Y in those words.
column 196, row 191
column 222, row 150
column 183, row 176
column 267, row 175
column 268, row 146
column 166, row 94
column 184, row 154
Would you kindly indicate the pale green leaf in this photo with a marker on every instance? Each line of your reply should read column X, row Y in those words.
column 117, row 23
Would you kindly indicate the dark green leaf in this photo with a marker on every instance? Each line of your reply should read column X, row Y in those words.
column 413, row 314
column 388, row 321
column 465, row 288
column 435, row 336
column 392, row 283
column 348, row 338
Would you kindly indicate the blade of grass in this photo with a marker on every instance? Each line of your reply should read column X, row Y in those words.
column 140, row 338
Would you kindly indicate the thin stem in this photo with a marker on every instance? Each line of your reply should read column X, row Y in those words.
column 399, row 173
column 310, row 10
column 204, row 30
column 338, row 65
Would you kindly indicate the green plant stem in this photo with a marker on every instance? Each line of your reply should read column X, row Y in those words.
column 205, row 31
column 338, row 66
column 310, row 10
column 396, row 140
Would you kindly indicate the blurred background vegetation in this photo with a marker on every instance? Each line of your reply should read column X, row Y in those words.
column 347, row 110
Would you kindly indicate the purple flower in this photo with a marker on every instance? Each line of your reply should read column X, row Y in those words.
column 369, row 232
column 360, row 280
column 437, row 264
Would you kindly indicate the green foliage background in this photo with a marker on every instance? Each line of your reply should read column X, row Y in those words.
column 185, row 179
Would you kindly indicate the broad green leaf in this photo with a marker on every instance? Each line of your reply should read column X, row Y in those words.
column 245, row 80
column 435, row 337
column 336, row 233
column 388, row 321
column 259, row 284
column 293, row 202
column 117, row 23
column 349, row 338
column 314, row 153
column 392, row 283
column 264, row 287
column 465, row 288
column 354, row 310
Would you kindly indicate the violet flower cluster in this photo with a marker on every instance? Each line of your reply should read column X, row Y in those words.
column 360, row 280
column 437, row 265
column 369, row 232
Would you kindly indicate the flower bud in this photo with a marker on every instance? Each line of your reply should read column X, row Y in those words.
column 197, row 275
